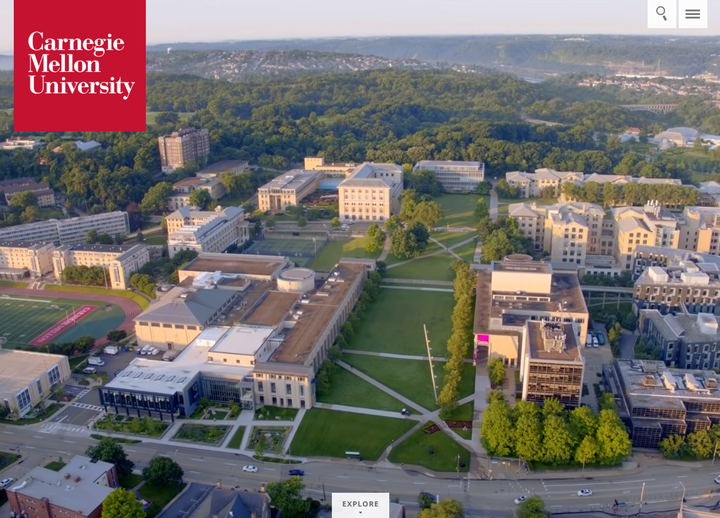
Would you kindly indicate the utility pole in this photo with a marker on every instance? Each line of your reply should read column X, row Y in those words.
column 584, row 459
column 324, row 497
column 715, row 452
column 432, row 371
column 642, row 495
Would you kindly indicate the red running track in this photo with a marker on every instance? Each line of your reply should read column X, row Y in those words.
column 130, row 308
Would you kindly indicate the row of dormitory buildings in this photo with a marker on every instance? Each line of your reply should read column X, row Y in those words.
column 44, row 195
column 586, row 236
column 37, row 249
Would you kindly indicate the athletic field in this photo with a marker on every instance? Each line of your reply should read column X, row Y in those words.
column 299, row 251
column 41, row 319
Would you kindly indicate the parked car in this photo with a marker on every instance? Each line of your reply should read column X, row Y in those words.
column 89, row 370
column 520, row 499
column 588, row 340
column 296, row 473
column 405, row 411
column 595, row 341
column 95, row 361
column 111, row 350
column 6, row 482
column 585, row 492
column 601, row 338
column 250, row 469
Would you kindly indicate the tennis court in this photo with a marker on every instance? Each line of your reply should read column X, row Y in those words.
column 301, row 252
column 25, row 319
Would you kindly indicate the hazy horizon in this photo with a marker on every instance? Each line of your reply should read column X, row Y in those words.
column 214, row 21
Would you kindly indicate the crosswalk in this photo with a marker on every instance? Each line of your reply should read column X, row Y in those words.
column 88, row 406
column 82, row 393
column 61, row 427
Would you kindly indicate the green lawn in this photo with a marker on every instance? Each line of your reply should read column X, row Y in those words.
column 12, row 284
column 219, row 415
column 452, row 238
column 49, row 411
column 411, row 378
column 430, row 248
column 129, row 481
column 138, row 299
column 435, row 268
column 334, row 250
column 328, row 433
column 159, row 496
column 436, row 451
column 271, row 412
column 209, row 434
column 458, row 209
column 462, row 413
column 50, row 213
column 237, row 438
column 55, row 465
column 348, row 389
column 150, row 116
column 466, row 251
column 394, row 322
column 6, row 459
column 156, row 239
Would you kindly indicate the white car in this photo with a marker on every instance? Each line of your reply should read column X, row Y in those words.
column 6, row 482
column 520, row 499
column 585, row 492
column 250, row 469
column 595, row 341
column 717, row 480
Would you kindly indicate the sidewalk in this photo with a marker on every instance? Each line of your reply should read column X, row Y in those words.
column 368, row 411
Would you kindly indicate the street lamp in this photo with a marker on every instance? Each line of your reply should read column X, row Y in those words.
column 584, row 459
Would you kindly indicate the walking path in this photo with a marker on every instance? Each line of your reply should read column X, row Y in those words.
column 367, row 411
column 445, row 290
column 385, row 250
column 417, row 281
column 443, row 250
column 398, row 356
column 382, row 387
column 493, row 205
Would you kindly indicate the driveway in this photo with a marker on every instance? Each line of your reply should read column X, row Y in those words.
column 185, row 501
column 627, row 341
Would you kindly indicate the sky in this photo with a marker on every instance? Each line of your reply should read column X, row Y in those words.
column 170, row 21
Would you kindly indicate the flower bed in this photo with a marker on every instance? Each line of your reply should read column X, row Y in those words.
column 459, row 424
column 431, row 429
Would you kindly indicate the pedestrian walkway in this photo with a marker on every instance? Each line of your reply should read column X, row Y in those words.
column 367, row 411
column 443, row 250
column 82, row 393
column 418, row 288
column 382, row 387
column 393, row 355
column 53, row 428
column 417, row 281
column 493, row 205
column 386, row 249
column 88, row 407
column 482, row 388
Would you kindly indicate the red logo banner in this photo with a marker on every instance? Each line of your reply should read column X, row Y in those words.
column 79, row 66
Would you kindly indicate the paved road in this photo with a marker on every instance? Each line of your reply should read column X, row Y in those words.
column 662, row 485
column 493, row 205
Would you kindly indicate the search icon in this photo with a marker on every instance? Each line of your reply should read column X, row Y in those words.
column 661, row 12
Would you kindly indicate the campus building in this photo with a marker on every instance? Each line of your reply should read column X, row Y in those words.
column 183, row 146
column 216, row 502
column 26, row 378
column 517, row 290
column 43, row 193
column 180, row 197
column 120, row 262
column 20, row 260
column 287, row 190
column 685, row 287
column 342, row 169
column 77, row 490
column 371, row 192
column 14, row 143
column 453, row 175
column 656, row 401
column 258, row 336
column 646, row 256
column 700, row 230
column 68, row 231
column 569, row 232
column 684, row 340
column 649, row 225
column 206, row 231
column 534, row 185
column 225, row 166
column 551, row 363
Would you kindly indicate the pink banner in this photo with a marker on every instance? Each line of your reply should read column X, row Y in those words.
column 62, row 326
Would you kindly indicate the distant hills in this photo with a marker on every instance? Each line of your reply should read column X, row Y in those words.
column 535, row 56
column 6, row 62
column 238, row 65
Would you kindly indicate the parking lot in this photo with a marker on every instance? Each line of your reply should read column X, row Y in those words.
column 595, row 358
column 116, row 363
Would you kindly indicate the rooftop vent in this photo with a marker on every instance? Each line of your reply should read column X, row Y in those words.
column 648, row 380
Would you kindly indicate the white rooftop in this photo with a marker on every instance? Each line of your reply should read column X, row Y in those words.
column 242, row 340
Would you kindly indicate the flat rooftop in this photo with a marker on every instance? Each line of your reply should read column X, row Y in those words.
column 294, row 180
column 247, row 264
column 20, row 368
column 565, row 297
column 651, row 383
column 245, row 340
column 538, row 332
column 272, row 309
column 77, row 493
column 521, row 266
column 317, row 313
